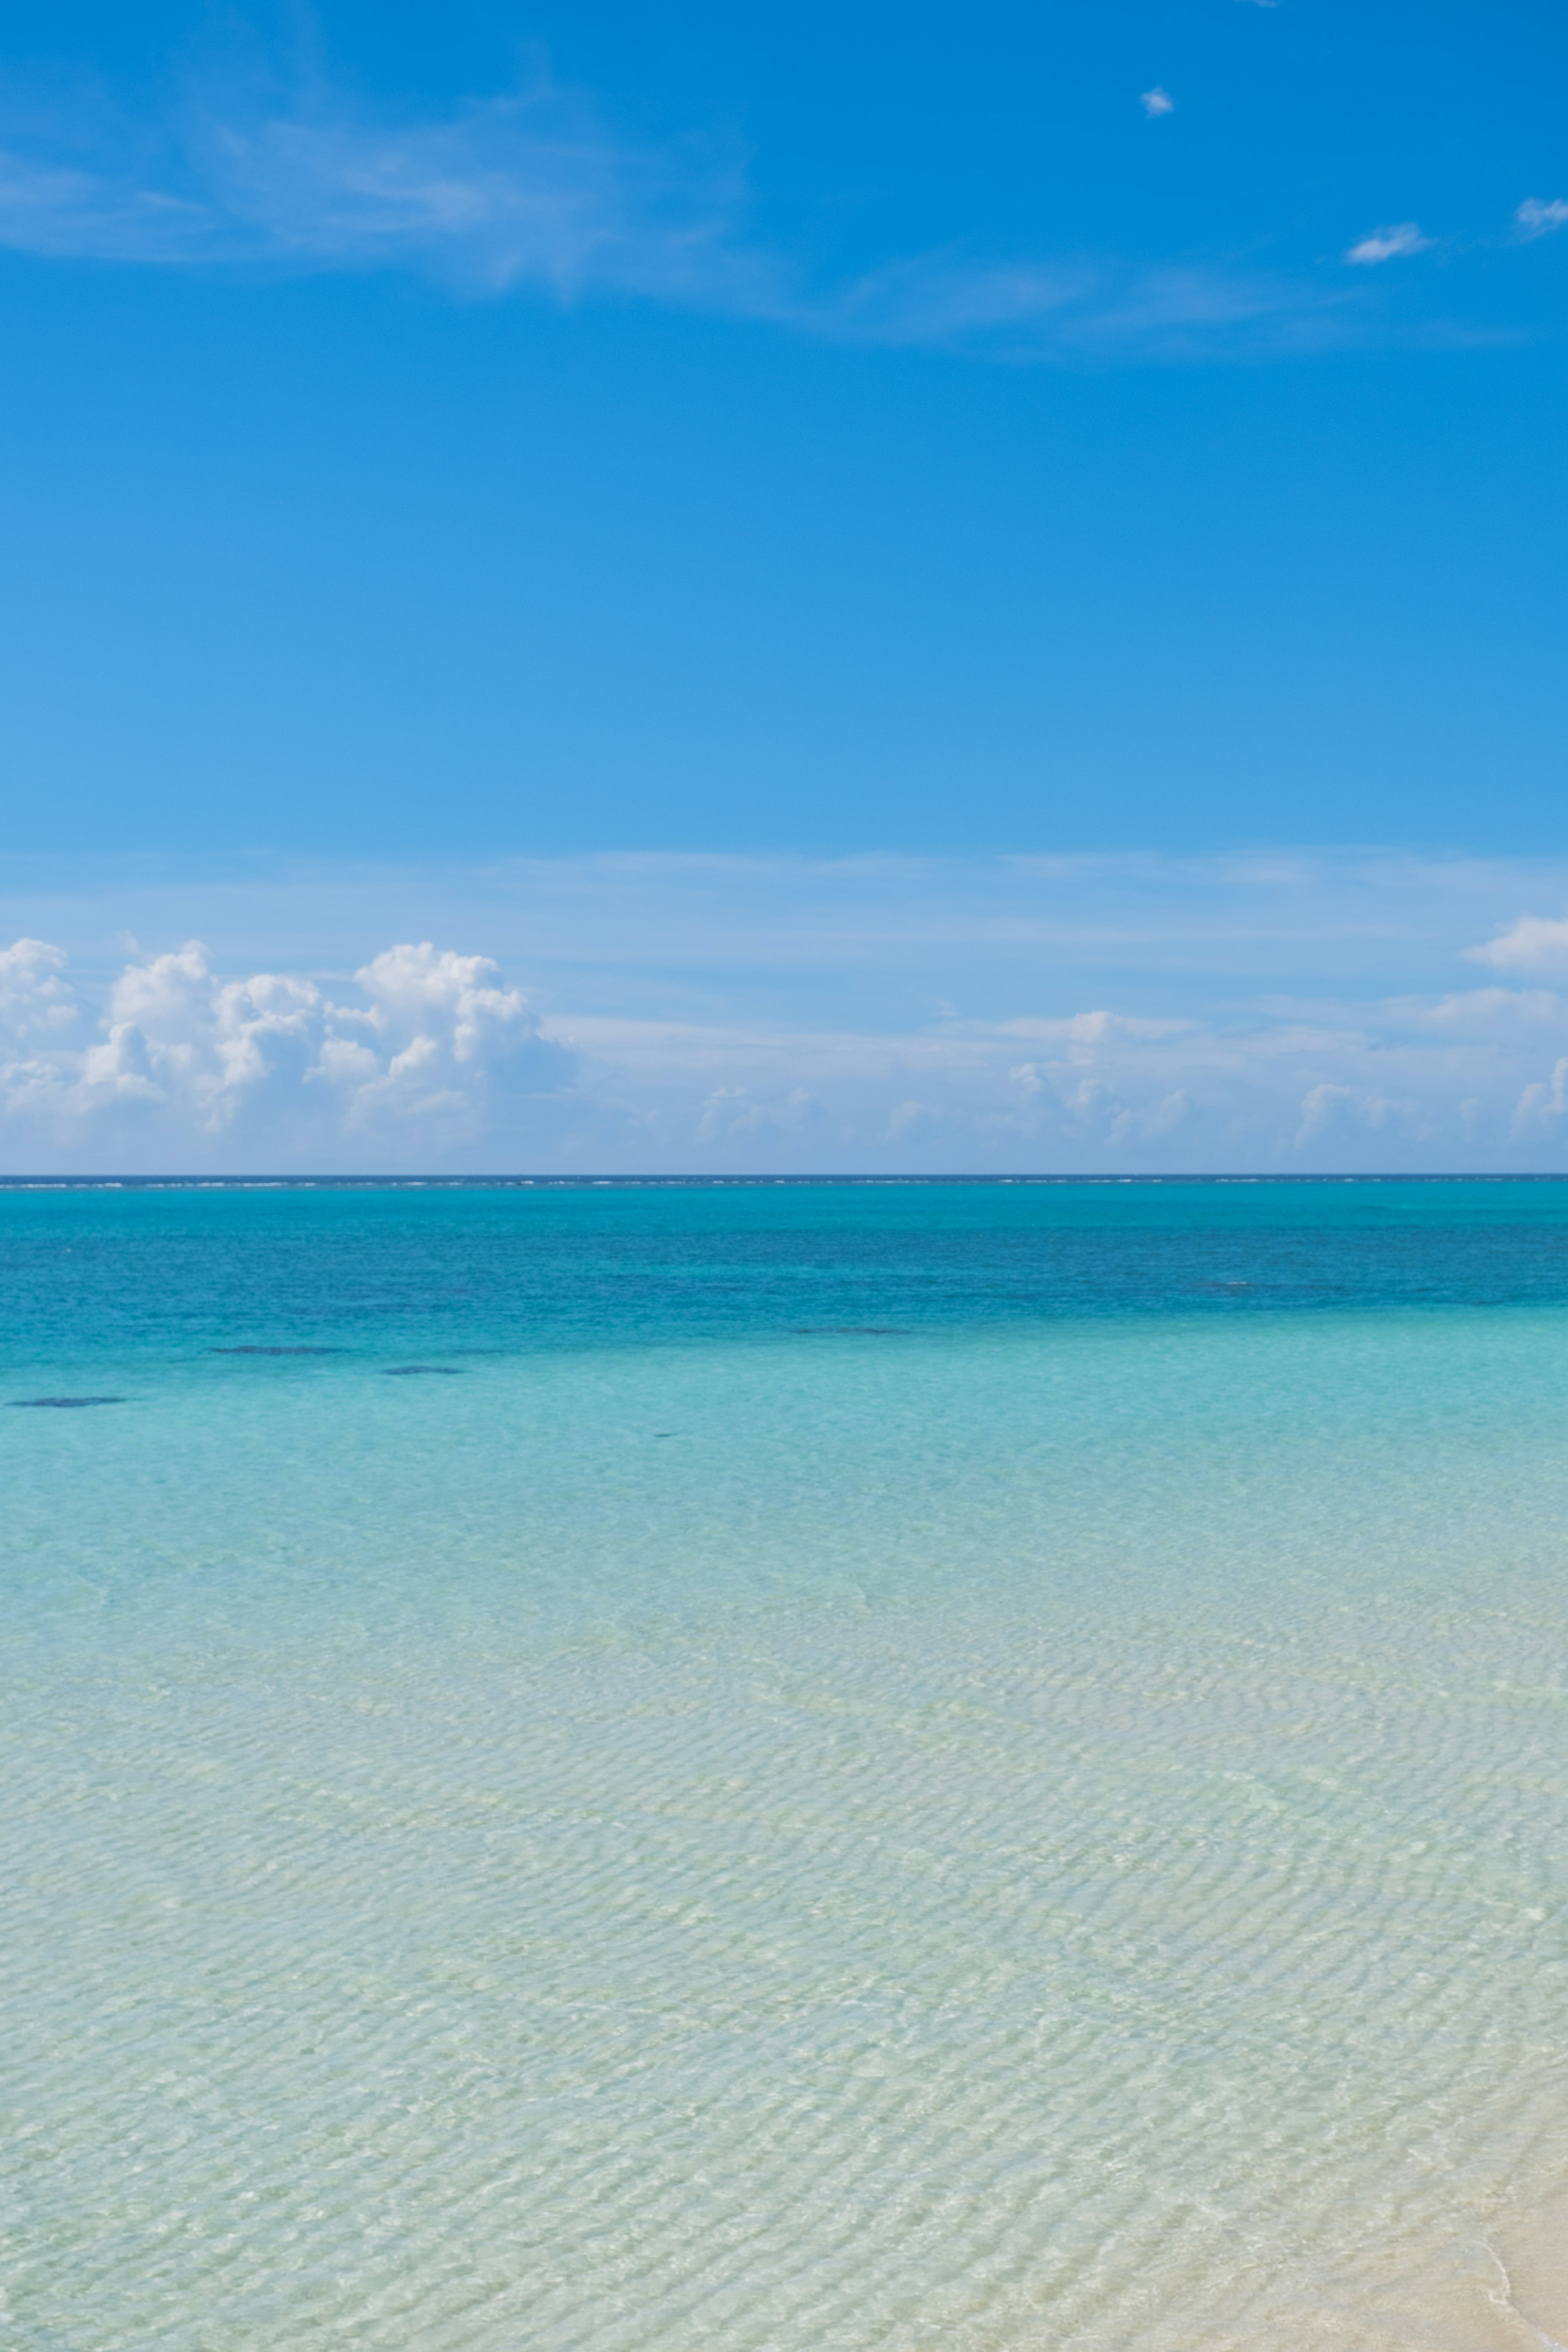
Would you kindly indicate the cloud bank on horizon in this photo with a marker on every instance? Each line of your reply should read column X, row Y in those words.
column 1105, row 1015
column 415, row 1059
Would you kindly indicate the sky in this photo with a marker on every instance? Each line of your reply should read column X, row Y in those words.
column 726, row 588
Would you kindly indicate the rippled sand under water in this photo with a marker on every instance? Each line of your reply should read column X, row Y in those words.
column 1010, row 1840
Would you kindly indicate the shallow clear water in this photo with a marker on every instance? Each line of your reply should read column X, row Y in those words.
column 862, row 1767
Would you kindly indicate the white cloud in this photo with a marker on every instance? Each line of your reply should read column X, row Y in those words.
column 1535, row 943
column 1145, row 1125
column 1542, row 1105
column 1322, row 1107
column 1295, row 1011
column 1485, row 1008
column 409, row 987
column 734, row 1115
column 1389, row 245
column 36, row 1004
column 1077, row 1031
column 188, row 1063
column 1538, row 218
column 1157, row 101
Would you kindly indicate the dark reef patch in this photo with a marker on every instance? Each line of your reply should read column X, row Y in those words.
column 275, row 1351
column 61, row 1404
column 405, row 1372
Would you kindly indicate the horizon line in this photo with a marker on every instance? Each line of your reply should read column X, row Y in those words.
column 172, row 1180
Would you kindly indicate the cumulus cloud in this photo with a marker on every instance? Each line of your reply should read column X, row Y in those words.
column 36, row 1004
column 732, row 1014
column 733, row 1114
column 1534, row 943
column 1325, row 1104
column 424, row 1053
column 1357, row 1111
column 1388, row 245
column 1538, row 218
column 1542, row 1105
column 1146, row 1125
column 1157, row 101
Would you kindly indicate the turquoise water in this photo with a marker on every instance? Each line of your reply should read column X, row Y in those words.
column 846, row 1766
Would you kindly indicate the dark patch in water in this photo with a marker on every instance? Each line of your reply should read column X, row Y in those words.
column 402, row 1372
column 63, row 1405
column 275, row 1351
column 848, row 1331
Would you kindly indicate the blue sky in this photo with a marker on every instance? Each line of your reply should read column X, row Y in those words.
column 442, row 448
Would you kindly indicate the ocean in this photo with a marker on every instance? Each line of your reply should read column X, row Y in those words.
column 785, row 1767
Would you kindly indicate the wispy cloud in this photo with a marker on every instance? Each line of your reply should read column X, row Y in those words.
column 528, row 189
column 1093, row 309
column 945, row 298
column 1538, row 217
column 1157, row 101
column 533, row 191
column 1389, row 245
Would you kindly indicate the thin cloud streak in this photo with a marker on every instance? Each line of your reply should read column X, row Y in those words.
column 1388, row 245
column 517, row 191
column 531, row 192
